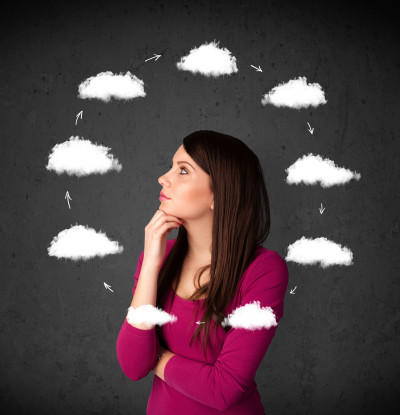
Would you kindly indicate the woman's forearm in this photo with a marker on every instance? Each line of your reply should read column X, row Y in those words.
column 146, row 291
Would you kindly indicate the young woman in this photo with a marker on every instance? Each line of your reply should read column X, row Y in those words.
column 215, row 194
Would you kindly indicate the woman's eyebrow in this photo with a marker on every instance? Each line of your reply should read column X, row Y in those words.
column 182, row 161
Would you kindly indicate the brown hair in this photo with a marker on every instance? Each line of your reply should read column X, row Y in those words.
column 241, row 223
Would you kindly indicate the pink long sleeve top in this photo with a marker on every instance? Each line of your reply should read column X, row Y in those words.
column 224, row 383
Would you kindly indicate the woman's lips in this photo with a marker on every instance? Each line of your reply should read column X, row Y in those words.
column 162, row 198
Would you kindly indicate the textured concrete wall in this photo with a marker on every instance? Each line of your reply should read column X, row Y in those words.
column 336, row 350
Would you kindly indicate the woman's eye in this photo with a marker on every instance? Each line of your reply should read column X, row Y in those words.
column 181, row 170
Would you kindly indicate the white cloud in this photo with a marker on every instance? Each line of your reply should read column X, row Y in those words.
column 80, row 242
column 295, row 94
column 251, row 317
column 209, row 60
column 150, row 315
column 106, row 85
column 81, row 157
column 311, row 251
column 311, row 169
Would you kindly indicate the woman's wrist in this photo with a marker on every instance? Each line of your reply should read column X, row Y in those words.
column 160, row 355
column 162, row 360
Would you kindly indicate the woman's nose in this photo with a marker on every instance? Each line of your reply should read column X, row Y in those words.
column 161, row 180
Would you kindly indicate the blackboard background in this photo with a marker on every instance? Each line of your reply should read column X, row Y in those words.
column 337, row 348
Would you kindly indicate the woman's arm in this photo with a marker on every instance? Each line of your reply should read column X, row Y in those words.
column 137, row 345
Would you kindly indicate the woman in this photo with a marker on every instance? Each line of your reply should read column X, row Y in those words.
column 217, row 198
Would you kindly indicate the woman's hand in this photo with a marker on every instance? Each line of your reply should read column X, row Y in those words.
column 156, row 233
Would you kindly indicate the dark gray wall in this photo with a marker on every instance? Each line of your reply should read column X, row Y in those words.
column 337, row 348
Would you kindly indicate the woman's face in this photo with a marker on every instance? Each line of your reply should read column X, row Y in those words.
column 188, row 188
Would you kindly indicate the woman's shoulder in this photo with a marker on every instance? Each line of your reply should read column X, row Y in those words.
column 265, row 262
column 266, row 255
column 264, row 259
column 263, row 256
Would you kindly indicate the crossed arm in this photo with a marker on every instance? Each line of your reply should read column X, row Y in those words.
column 223, row 383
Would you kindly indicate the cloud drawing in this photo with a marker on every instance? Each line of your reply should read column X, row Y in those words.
column 295, row 94
column 308, row 251
column 150, row 315
column 106, row 85
column 209, row 60
column 312, row 169
column 80, row 242
column 251, row 317
column 81, row 158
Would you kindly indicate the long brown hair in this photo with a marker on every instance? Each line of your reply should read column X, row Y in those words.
column 241, row 223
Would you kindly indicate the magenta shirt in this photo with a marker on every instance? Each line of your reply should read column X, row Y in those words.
column 224, row 383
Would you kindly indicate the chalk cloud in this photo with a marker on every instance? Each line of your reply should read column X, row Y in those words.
column 296, row 93
column 209, row 60
column 82, row 242
column 107, row 85
column 148, row 314
column 311, row 169
column 251, row 317
column 308, row 251
column 81, row 157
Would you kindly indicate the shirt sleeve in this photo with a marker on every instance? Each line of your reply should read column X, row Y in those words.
column 224, row 383
column 137, row 349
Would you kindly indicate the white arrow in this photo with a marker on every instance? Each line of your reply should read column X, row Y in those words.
column 321, row 211
column 68, row 197
column 108, row 287
column 292, row 291
column 155, row 56
column 258, row 69
column 311, row 130
column 78, row 115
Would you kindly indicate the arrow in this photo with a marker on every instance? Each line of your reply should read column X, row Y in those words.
column 321, row 211
column 292, row 291
column 108, row 287
column 77, row 116
column 258, row 69
column 311, row 130
column 68, row 197
column 155, row 56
